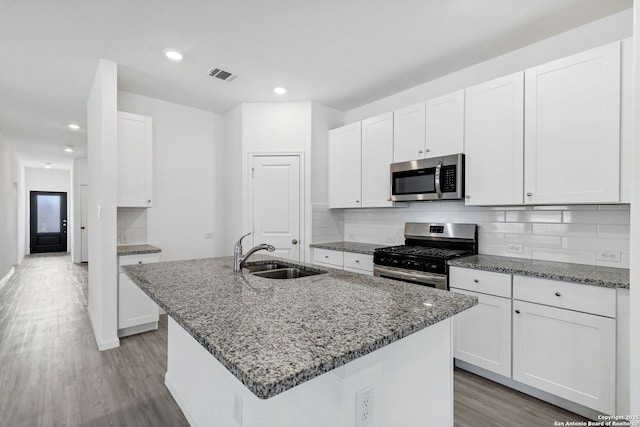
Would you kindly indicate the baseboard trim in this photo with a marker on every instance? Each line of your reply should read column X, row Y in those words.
column 102, row 344
column 531, row 391
column 7, row 277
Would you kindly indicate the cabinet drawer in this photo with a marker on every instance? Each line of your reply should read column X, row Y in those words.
column 325, row 256
column 358, row 261
column 486, row 282
column 137, row 259
column 571, row 296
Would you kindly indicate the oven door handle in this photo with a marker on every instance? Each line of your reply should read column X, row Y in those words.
column 418, row 277
column 438, row 171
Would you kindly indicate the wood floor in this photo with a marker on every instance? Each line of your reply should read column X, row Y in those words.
column 52, row 374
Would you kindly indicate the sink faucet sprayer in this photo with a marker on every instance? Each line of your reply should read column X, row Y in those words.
column 239, row 259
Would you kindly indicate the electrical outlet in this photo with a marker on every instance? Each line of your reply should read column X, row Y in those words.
column 611, row 256
column 515, row 248
column 364, row 407
column 208, row 235
column 237, row 409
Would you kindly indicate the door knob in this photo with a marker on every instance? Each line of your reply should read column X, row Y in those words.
column 294, row 241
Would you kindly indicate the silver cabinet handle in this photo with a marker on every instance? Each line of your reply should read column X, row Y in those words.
column 427, row 150
column 420, row 152
column 557, row 294
column 326, row 256
column 357, row 261
column 476, row 280
column 139, row 262
column 438, row 189
column 517, row 311
column 294, row 241
column 467, row 196
column 528, row 194
column 357, row 201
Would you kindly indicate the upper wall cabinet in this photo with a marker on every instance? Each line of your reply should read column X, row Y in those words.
column 445, row 125
column 572, row 129
column 409, row 133
column 345, row 166
column 134, row 160
column 494, row 141
column 377, row 156
column 431, row 129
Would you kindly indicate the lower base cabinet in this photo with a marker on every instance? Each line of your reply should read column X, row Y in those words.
column 136, row 311
column 567, row 353
column 348, row 261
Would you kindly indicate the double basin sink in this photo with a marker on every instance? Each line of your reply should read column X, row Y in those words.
column 278, row 270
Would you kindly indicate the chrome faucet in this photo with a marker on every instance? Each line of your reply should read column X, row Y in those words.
column 239, row 259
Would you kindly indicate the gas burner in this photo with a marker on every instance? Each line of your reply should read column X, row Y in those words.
column 424, row 251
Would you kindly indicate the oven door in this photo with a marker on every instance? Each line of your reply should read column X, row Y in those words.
column 438, row 281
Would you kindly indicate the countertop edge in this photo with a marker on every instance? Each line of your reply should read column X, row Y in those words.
column 125, row 250
column 353, row 247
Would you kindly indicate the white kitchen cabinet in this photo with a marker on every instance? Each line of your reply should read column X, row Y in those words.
column 482, row 334
column 348, row 261
column 134, row 154
column 566, row 353
column 136, row 311
column 494, row 141
column 409, row 133
column 377, row 156
column 445, row 125
column 572, row 129
column 345, row 160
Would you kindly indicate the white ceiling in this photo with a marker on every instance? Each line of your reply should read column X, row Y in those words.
column 341, row 53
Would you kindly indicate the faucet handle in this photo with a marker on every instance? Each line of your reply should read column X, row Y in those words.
column 239, row 242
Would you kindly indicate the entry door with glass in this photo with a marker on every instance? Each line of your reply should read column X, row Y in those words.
column 48, row 222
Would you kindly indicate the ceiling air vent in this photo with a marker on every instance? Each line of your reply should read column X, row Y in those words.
column 222, row 74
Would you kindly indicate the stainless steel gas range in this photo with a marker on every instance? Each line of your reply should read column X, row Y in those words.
column 423, row 257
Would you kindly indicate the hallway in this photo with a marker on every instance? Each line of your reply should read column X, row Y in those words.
column 51, row 371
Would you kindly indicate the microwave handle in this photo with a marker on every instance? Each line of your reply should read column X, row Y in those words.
column 437, row 178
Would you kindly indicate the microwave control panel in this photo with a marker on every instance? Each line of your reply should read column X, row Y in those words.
column 448, row 174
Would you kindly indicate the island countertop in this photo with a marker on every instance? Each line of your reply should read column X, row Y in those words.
column 276, row 334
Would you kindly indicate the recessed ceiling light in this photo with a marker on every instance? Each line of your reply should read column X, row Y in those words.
column 69, row 149
column 173, row 55
column 74, row 126
column 280, row 90
column 48, row 165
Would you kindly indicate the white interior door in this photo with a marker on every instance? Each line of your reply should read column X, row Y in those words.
column 276, row 198
column 84, row 223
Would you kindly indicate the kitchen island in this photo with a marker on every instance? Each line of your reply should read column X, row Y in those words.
column 321, row 350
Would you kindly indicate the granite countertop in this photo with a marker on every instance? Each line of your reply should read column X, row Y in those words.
column 359, row 248
column 276, row 334
column 137, row 249
column 578, row 273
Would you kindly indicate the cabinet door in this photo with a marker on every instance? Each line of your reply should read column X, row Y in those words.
column 345, row 166
column 409, row 133
column 572, row 122
column 377, row 156
column 445, row 125
column 482, row 334
column 494, row 141
column 134, row 160
column 134, row 306
column 566, row 353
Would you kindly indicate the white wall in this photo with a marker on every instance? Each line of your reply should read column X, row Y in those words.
column 102, row 160
column 40, row 179
column 188, row 164
column 79, row 176
column 233, row 164
column 9, row 177
column 634, row 291
column 606, row 30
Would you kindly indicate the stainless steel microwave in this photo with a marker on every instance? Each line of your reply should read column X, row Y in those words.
column 438, row 178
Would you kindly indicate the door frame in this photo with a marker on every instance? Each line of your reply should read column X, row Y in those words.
column 31, row 224
column 249, row 222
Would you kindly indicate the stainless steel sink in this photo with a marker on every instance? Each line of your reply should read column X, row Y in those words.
column 254, row 268
column 287, row 273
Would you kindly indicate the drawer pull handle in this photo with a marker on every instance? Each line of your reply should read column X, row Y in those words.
column 139, row 262
column 557, row 294
column 326, row 256
column 517, row 311
column 476, row 280
column 357, row 260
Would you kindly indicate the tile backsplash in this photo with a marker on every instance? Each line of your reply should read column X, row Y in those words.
column 327, row 224
column 132, row 226
column 584, row 234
